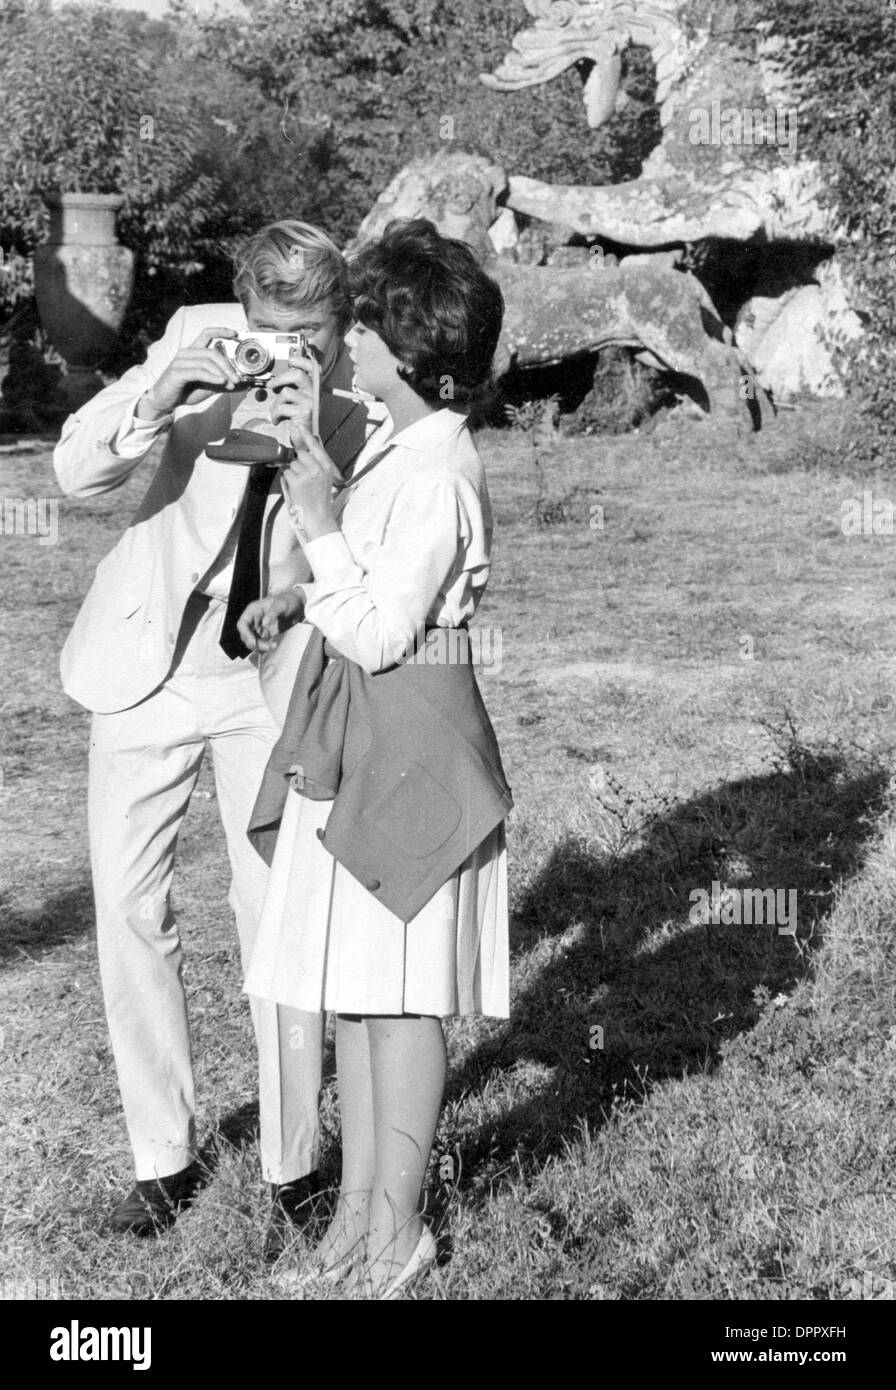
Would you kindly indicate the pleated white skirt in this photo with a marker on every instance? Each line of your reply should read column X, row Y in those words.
column 325, row 943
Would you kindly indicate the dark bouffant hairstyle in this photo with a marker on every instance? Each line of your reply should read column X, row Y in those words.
column 433, row 306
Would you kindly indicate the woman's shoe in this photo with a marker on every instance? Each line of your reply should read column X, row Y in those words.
column 420, row 1261
column 289, row 1281
column 335, row 1273
column 333, row 1268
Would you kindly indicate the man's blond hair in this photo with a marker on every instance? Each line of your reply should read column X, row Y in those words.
column 296, row 265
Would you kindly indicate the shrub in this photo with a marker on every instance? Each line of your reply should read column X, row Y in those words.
column 376, row 83
column 843, row 57
column 210, row 127
column 82, row 108
column 96, row 99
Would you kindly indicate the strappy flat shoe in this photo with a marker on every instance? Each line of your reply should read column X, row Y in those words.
column 335, row 1273
column 423, row 1257
column 288, row 1280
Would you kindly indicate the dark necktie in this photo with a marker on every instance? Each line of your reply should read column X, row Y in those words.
column 245, row 586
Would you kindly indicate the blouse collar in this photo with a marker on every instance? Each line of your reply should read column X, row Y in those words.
column 424, row 433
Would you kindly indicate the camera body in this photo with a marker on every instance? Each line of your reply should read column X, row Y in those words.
column 257, row 356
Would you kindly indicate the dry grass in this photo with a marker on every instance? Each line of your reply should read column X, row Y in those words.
column 701, row 690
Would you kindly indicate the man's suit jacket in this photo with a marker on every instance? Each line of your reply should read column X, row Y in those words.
column 121, row 645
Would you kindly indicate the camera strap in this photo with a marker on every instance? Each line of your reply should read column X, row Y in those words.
column 315, row 391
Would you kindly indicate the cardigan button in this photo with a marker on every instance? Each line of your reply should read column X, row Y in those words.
column 319, row 833
column 373, row 885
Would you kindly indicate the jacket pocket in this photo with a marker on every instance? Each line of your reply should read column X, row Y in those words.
column 415, row 812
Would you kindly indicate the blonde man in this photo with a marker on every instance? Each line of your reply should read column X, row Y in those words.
column 155, row 655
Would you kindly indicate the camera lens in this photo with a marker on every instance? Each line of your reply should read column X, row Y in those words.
column 251, row 357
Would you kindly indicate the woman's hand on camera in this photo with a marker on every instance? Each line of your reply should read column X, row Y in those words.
column 194, row 374
column 263, row 622
column 308, row 484
column 293, row 390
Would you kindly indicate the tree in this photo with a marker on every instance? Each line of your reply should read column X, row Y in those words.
column 103, row 100
column 367, row 85
column 842, row 57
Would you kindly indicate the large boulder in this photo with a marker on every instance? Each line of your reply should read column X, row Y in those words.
column 789, row 336
column 728, row 165
column 554, row 313
column 458, row 192
column 675, row 206
column 577, row 302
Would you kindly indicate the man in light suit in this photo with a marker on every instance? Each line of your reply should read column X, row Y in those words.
column 155, row 654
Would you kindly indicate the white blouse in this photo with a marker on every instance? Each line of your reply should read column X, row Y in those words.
column 414, row 546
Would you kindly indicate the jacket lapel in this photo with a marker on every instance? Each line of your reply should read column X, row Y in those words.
column 342, row 423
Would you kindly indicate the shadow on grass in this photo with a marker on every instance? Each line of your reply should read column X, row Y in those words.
column 239, row 1128
column 665, row 993
column 57, row 921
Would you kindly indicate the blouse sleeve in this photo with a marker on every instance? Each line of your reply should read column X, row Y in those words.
column 373, row 616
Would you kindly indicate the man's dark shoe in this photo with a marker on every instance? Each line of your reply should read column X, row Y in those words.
column 155, row 1202
column 294, row 1206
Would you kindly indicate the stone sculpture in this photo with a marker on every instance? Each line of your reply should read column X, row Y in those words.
column 555, row 312
column 728, row 165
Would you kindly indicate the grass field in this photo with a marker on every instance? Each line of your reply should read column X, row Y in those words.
column 697, row 684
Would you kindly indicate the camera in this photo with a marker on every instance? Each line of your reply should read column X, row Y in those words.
column 258, row 356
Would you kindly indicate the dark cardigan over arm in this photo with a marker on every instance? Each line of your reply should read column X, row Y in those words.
column 407, row 755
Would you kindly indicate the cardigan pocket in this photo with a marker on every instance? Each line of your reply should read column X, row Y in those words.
column 415, row 812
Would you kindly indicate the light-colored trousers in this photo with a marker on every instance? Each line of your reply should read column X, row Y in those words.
column 144, row 763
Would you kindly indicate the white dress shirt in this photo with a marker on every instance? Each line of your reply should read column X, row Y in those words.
column 414, row 545
column 135, row 436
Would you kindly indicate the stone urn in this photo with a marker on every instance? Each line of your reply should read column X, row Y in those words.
column 82, row 282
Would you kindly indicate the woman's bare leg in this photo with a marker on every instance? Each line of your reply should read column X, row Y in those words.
column 345, row 1236
column 407, row 1068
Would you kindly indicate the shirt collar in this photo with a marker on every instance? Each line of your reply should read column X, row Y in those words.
column 425, row 433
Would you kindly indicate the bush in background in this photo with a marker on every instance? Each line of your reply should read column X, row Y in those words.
column 210, row 127
column 82, row 109
column 307, row 108
column 376, row 83
column 103, row 100
column 843, row 59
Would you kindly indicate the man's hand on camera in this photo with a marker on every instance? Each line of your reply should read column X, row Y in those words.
column 197, row 372
column 263, row 622
column 293, row 390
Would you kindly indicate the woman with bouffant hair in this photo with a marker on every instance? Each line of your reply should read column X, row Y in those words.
column 383, row 806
